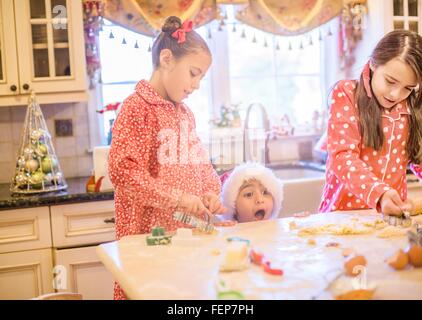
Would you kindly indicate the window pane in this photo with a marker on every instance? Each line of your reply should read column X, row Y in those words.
column 124, row 62
column 298, row 61
column 117, row 92
column 62, row 64
column 39, row 34
column 200, row 104
column 414, row 26
column 398, row 8
column 398, row 25
column 37, row 9
column 247, row 58
column 413, row 8
column 41, row 67
column 248, row 90
column 299, row 97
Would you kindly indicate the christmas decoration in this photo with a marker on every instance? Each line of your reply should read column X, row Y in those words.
column 230, row 117
column 93, row 22
column 37, row 168
column 110, row 107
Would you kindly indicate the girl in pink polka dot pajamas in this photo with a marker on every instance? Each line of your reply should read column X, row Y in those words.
column 375, row 130
column 157, row 164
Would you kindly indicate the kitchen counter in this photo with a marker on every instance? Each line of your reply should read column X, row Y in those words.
column 76, row 192
column 177, row 272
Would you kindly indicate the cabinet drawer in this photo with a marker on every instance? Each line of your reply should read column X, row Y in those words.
column 82, row 223
column 25, row 229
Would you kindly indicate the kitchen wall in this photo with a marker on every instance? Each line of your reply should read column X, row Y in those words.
column 72, row 151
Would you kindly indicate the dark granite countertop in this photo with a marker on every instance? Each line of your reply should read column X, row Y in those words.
column 75, row 193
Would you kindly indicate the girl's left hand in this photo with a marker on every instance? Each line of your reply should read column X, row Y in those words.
column 213, row 204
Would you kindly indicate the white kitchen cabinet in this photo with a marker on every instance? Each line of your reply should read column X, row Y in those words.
column 25, row 274
column 39, row 245
column 405, row 14
column 80, row 270
column 42, row 49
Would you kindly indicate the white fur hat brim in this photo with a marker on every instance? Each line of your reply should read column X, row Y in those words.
column 245, row 172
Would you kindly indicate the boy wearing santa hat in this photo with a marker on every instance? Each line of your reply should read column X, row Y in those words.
column 251, row 192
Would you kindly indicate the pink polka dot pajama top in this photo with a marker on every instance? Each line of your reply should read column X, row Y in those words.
column 356, row 175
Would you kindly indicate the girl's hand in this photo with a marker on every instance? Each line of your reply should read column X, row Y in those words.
column 213, row 203
column 193, row 205
column 409, row 206
column 391, row 203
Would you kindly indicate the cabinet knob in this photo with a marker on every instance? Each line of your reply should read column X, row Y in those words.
column 25, row 86
column 111, row 220
column 13, row 88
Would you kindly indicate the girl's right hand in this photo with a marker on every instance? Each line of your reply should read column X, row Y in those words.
column 391, row 203
column 193, row 205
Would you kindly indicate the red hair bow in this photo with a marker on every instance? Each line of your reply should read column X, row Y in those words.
column 180, row 34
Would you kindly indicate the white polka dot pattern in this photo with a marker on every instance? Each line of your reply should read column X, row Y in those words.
column 364, row 173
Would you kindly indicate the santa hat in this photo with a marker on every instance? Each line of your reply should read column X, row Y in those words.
column 245, row 172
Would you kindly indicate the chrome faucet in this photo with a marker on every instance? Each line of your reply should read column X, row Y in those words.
column 266, row 127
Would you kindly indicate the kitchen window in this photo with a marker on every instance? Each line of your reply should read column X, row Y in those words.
column 285, row 74
column 125, row 64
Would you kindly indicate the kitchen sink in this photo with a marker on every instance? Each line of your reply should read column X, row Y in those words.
column 298, row 170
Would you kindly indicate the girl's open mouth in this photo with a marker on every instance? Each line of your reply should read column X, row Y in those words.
column 260, row 214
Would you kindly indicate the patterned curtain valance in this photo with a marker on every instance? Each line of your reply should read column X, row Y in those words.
column 147, row 16
column 281, row 17
column 285, row 17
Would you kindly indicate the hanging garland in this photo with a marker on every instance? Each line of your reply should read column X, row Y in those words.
column 92, row 26
column 352, row 24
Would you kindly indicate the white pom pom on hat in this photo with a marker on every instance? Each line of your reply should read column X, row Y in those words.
column 245, row 172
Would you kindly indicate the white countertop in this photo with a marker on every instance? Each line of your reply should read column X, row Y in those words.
column 170, row 272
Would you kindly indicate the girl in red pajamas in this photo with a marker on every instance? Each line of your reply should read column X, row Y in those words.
column 375, row 130
column 156, row 162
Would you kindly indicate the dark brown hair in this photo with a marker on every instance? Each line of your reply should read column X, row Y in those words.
column 193, row 43
column 407, row 46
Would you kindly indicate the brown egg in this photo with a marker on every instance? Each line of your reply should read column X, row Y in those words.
column 399, row 260
column 311, row 242
column 360, row 294
column 415, row 255
column 353, row 265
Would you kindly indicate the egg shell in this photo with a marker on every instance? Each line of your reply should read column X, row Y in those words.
column 399, row 260
column 415, row 255
column 353, row 264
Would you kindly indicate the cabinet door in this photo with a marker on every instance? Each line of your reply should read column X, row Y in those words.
column 80, row 270
column 50, row 42
column 9, row 81
column 26, row 274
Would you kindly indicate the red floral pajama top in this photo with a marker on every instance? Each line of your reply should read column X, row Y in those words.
column 155, row 156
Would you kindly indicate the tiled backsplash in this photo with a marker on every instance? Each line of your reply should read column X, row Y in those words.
column 71, row 151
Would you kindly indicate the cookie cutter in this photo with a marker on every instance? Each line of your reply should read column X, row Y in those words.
column 205, row 226
column 403, row 220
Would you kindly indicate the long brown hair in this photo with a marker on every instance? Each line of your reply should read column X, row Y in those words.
column 408, row 46
column 193, row 42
